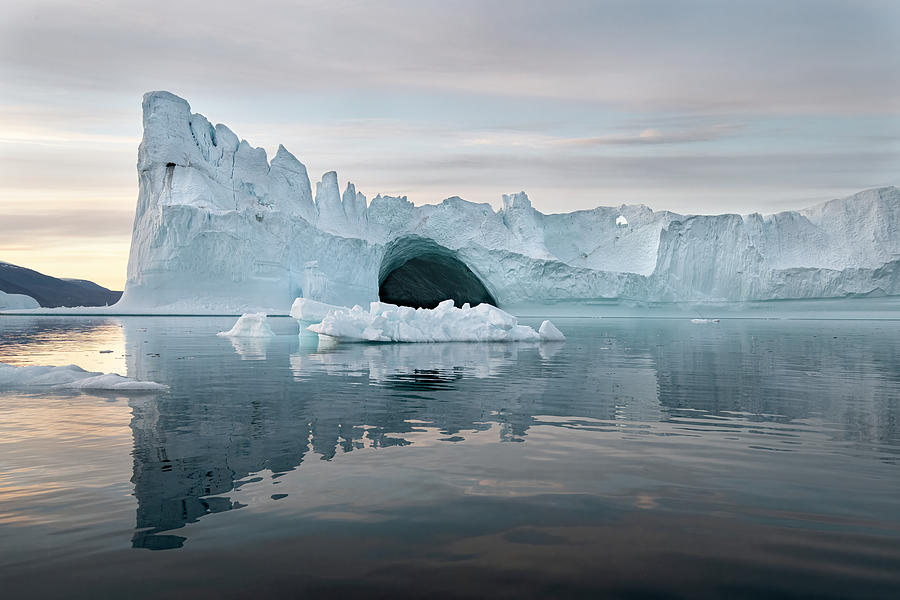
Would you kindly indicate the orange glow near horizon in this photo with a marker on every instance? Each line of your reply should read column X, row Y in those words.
column 57, row 235
column 104, row 262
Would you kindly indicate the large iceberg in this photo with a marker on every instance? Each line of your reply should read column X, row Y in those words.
column 220, row 228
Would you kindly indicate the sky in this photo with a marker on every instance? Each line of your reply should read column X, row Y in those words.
column 692, row 106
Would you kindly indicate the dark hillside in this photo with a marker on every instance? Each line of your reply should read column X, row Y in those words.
column 52, row 291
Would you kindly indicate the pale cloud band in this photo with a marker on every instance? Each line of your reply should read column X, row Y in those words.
column 692, row 106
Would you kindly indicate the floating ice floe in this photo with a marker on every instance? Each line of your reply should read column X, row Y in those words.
column 446, row 323
column 71, row 377
column 704, row 320
column 250, row 325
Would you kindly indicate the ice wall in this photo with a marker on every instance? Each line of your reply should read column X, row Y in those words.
column 17, row 301
column 220, row 228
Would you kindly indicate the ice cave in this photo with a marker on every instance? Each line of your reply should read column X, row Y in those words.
column 418, row 272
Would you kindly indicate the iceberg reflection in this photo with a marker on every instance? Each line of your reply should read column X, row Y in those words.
column 227, row 421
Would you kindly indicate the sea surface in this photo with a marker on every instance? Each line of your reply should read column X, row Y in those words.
column 641, row 458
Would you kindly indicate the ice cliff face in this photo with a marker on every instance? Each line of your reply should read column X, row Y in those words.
column 17, row 301
column 219, row 228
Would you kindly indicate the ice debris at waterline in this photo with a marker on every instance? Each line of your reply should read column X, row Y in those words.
column 250, row 325
column 446, row 323
column 704, row 320
column 71, row 377
column 222, row 227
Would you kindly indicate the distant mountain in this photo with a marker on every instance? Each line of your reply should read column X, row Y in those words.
column 52, row 291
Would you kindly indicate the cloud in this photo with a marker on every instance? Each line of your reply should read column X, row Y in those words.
column 689, row 183
column 761, row 170
column 21, row 229
column 656, row 136
column 697, row 55
column 695, row 105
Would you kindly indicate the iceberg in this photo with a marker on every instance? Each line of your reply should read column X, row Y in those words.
column 445, row 323
column 221, row 228
column 70, row 377
column 549, row 333
column 252, row 325
column 17, row 301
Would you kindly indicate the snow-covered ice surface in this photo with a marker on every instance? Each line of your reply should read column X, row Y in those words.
column 446, row 323
column 220, row 228
column 253, row 325
column 70, row 377
column 17, row 301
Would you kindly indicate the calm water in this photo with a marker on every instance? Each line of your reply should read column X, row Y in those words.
column 640, row 458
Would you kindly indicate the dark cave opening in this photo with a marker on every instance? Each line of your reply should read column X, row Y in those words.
column 420, row 273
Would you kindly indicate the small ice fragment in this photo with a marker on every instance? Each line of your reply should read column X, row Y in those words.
column 704, row 320
column 621, row 221
column 549, row 332
column 250, row 325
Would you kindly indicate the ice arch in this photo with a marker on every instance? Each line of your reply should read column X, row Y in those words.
column 418, row 272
